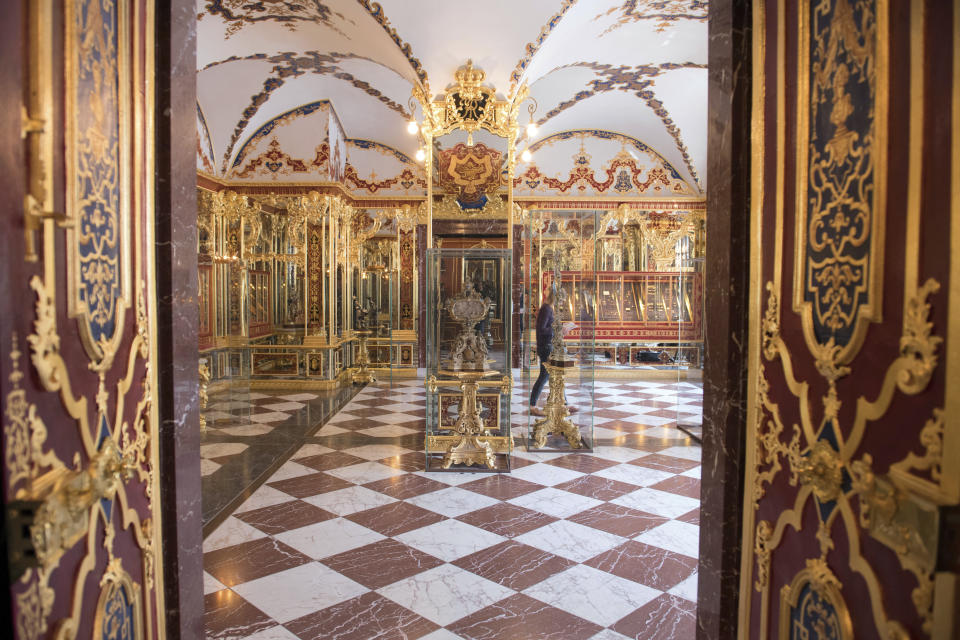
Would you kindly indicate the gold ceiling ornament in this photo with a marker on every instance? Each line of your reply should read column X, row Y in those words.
column 471, row 105
column 822, row 470
column 762, row 552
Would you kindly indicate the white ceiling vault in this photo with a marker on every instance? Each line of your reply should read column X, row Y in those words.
column 634, row 68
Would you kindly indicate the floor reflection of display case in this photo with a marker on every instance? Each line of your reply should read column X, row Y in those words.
column 469, row 381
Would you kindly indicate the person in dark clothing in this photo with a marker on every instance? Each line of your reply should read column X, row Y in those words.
column 544, row 346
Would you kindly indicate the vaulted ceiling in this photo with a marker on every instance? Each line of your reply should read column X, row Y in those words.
column 632, row 67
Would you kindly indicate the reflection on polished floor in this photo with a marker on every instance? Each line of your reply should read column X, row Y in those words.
column 350, row 539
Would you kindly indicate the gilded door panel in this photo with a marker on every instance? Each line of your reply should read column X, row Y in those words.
column 855, row 268
column 80, row 429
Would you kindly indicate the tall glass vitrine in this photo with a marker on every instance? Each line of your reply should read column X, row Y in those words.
column 468, row 376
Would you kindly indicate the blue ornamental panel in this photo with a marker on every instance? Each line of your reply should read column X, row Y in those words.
column 814, row 617
column 118, row 621
column 840, row 194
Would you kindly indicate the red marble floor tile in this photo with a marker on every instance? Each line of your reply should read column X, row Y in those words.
column 514, row 565
column 326, row 461
column 251, row 560
column 381, row 563
column 357, row 423
column 521, row 616
column 366, row 617
column 651, row 566
column 584, row 463
column 614, row 413
column 519, row 463
column 665, row 463
column 618, row 520
column 681, row 485
column 626, row 426
column 285, row 516
column 368, row 412
column 666, row 617
column 406, row 486
column 310, row 485
column 506, row 519
column 501, row 486
column 597, row 487
column 230, row 616
column 692, row 517
column 395, row 518
column 411, row 462
column 663, row 413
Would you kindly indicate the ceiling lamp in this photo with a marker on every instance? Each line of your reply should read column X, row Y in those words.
column 531, row 126
column 412, row 127
column 526, row 156
column 421, row 154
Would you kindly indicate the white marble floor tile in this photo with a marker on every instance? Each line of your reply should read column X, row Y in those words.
column 216, row 415
column 275, row 416
column 393, row 418
column 218, row 449
column 692, row 473
column 452, row 502
column 673, row 535
column 445, row 593
column 247, row 430
column 571, row 540
column 377, row 451
column 449, row 539
column 609, row 634
column 342, row 416
column 273, row 633
column 389, row 431
column 618, row 454
column 546, row 474
column 294, row 593
column 594, row 595
column 284, row 406
column 441, row 634
column 453, row 478
column 230, row 404
column 331, row 430
column 328, row 538
column 365, row 472
column 264, row 497
column 211, row 584
column 666, row 433
column 311, row 450
column 634, row 474
column 687, row 453
column 554, row 502
column 401, row 406
column 208, row 466
column 291, row 470
column 343, row 502
column 257, row 396
column 687, row 589
column 659, row 503
column 299, row 397
column 232, row 531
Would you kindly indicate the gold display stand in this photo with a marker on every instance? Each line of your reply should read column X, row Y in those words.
column 557, row 414
column 468, row 445
column 363, row 375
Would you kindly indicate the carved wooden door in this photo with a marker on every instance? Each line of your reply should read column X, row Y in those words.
column 854, row 429
column 78, row 385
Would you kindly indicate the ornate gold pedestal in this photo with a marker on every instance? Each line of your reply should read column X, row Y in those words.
column 363, row 375
column 556, row 419
column 468, row 445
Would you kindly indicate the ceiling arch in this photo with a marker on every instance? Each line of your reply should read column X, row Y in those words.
column 634, row 66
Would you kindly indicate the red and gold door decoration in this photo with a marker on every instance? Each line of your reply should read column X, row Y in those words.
column 855, row 319
column 80, row 425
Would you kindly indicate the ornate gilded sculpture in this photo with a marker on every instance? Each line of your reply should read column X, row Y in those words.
column 469, row 348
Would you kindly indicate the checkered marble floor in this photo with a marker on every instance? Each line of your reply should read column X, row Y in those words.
column 351, row 539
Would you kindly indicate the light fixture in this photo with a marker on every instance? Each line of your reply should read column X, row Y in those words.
column 421, row 154
column 531, row 126
column 526, row 156
column 412, row 127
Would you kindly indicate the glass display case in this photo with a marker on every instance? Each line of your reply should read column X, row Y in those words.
column 468, row 342
column 561, row 256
